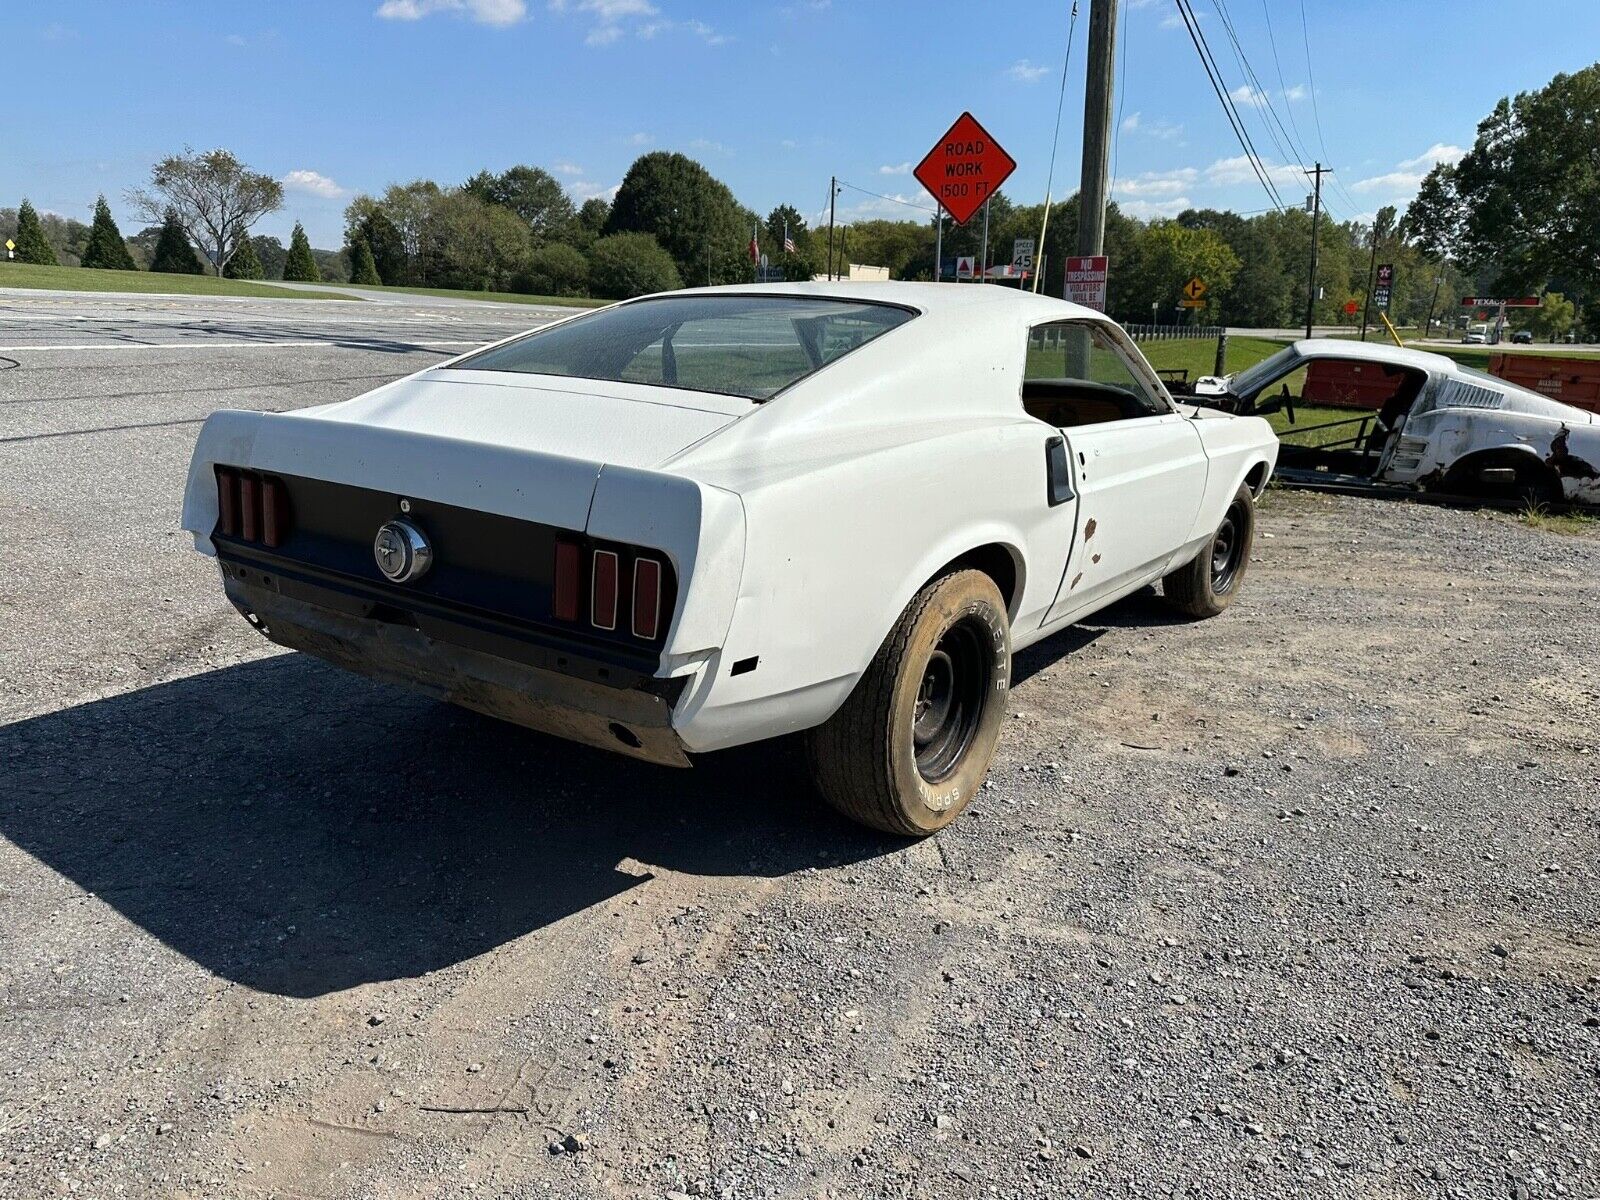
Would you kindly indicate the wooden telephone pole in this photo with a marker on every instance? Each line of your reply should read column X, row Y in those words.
column 1097, row 116
column 1316, row 227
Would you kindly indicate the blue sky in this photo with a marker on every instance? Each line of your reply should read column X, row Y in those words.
column 340, row 96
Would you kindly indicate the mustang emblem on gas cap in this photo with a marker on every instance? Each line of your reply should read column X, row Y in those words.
column 402, row 551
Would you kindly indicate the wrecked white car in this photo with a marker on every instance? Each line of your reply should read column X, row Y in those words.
column 1433, row 425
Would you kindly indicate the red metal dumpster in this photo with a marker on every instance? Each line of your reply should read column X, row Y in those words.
column 1337, row 383
column 1574, row 381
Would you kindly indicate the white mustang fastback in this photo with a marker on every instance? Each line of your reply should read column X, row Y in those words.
column 700, row 519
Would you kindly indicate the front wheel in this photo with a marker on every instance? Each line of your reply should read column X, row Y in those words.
column 1207, row 585
column 910, row 747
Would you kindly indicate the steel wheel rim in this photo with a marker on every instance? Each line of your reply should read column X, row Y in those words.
column 1227, row 549
column 955, row 684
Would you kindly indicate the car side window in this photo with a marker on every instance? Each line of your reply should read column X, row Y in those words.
column 1076, row 375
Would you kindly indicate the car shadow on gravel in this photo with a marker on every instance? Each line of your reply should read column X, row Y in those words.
column 1142, row 610
column 301, row 830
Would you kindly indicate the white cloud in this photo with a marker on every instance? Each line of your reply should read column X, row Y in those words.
column 1148, row 210
column 1245, row 94
column 581, row 190
column 895, row 168
column 1157, row 183
column 1229, row 172
column 639, row 139
column 1407, row 176
column 616, row 19
column 707, row 146
column 566, row 168
column 1435, row 154
column 1024, row 71
column 486, row 12
column 1295, row 93
column 313, row 182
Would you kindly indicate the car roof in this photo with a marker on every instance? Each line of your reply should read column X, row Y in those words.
column 925, row 297
column 1420, row 360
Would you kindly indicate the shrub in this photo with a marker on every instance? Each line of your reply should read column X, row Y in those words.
column 31, row 244
column 245, row 263
column 106, row 249
column 556, row 270
column 631, row 264
column 300, row 266
column 174, row 255
column 363, row 267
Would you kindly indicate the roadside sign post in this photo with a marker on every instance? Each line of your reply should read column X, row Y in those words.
column 1351, row 308
column 1194, row 293
column 963, row 170
column 11, row 249
column 1381, row 293
column 1085, row 281
column 965, row 266
column 1022, row 254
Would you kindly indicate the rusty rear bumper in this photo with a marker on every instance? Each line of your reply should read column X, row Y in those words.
column 627, row 720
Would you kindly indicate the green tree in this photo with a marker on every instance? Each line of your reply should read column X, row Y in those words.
column 554, row 270
column 1530, row 188
column 31, row 244
column 244, row 264
column 106, row 249
column 690, row 213
column 300, row 267
column 533, row 194
column 366, row 218
column 1168, row 255
column 215, row 197
column 363, row 267
column 623, row 265
column 1553, row 318
column 477, row 245
column 173, row 254
column 1435, row 218
column 272, row 255
column 801, row 263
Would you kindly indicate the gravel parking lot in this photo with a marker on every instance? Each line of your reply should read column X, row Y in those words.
column 1298, row 901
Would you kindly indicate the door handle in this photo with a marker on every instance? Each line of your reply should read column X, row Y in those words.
column 1058, row 472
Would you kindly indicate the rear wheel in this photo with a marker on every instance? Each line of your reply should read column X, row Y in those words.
column 1504, row 478
column 1207, row 585
column 910, row 747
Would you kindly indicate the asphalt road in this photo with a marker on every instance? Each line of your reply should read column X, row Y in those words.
column 1298, row 901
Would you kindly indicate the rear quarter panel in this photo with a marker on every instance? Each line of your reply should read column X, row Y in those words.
column 836, row 553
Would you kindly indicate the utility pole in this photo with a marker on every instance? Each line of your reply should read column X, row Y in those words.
column 833, row 194
column 1372, row 270
column 1438, row 279
column 1098, row 88
column 1316, row 226
column 983, row 259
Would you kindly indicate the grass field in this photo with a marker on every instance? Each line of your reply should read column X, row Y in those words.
column 1198, row 356
column 82, row 279
column 498, row 297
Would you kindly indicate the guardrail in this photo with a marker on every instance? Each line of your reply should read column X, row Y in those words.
column 1168, row 333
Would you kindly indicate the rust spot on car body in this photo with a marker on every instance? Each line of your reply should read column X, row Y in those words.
column 1565, row 462
column 1089, row 527
column 1096, row 558
column 1075, row 581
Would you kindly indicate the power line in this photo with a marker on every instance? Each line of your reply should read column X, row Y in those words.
column 1265, row 97
column 1283, row 87
column 1055, row 143
column 1122, row 100
column 1316, row 111
column 1214, row 76
column 881, row 196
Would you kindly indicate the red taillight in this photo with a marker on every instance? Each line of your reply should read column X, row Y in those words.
column 228, row 502
column 254, row 508
column 603, row 594
column 564, row 593
column 646, row 598
column 250, row 506
column 273, row 511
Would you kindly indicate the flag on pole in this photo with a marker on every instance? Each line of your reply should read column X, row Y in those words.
column 755, row 246
column 788, row 242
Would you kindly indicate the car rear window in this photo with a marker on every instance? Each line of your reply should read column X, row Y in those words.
column 750, row 346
